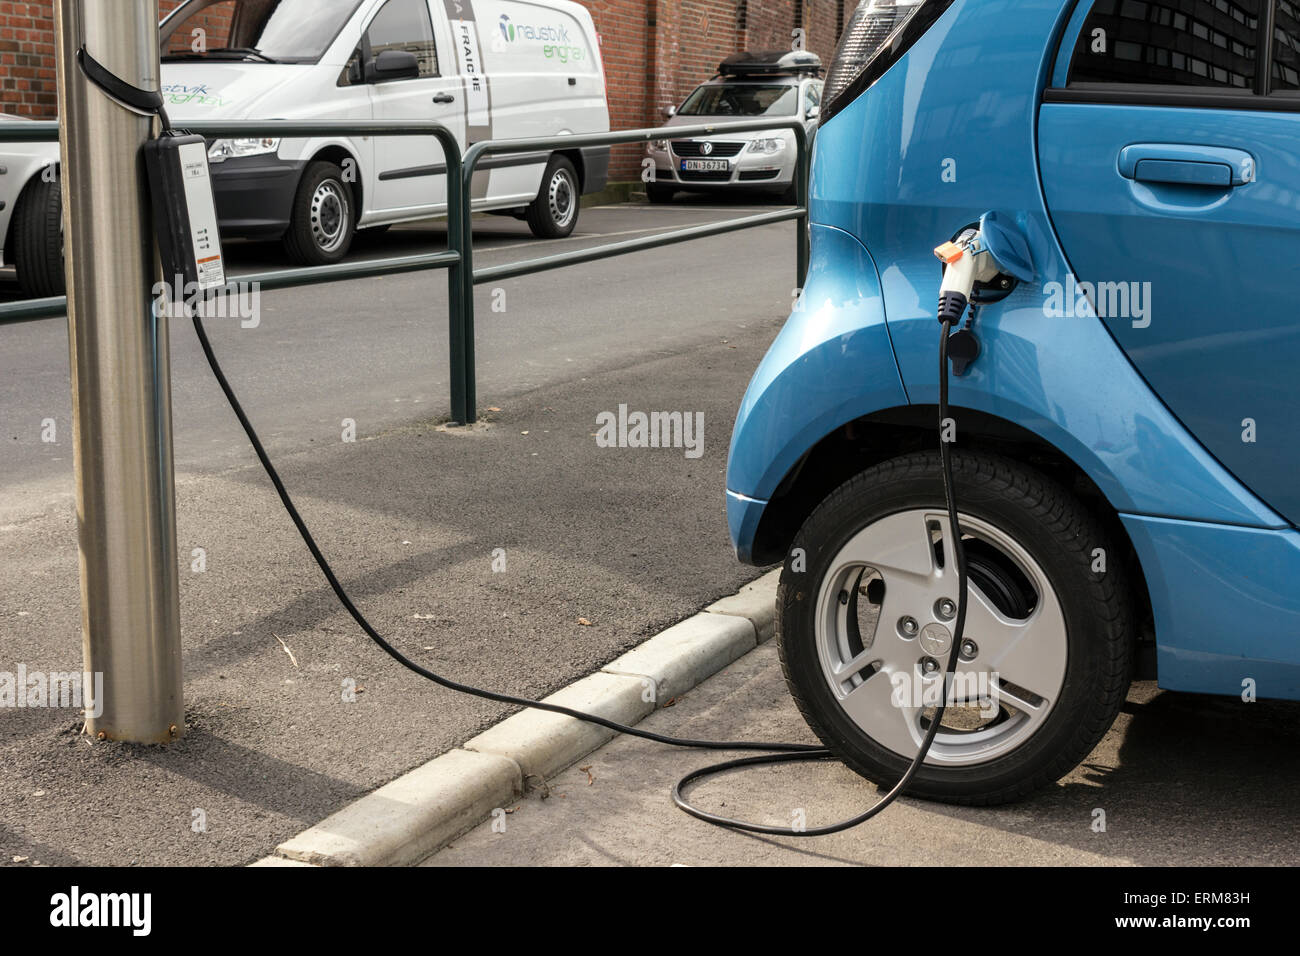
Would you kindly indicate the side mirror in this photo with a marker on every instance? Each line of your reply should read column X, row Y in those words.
column 669, row 112
column 813, row 112
column 393, row 65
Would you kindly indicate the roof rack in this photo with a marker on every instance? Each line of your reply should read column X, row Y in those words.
column 770, row 62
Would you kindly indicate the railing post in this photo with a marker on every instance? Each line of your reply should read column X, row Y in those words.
column 467, row 277
column 456, row 285
column 121, row 382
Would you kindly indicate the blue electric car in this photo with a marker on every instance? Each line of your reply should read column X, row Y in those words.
column 1126, row 442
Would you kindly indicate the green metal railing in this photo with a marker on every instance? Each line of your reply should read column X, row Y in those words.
column 458, row 257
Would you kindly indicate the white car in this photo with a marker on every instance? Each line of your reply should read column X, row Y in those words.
column 487, row 69
column 748, row 86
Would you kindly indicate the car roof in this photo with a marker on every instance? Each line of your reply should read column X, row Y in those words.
column 776, row 80
column 771, row 63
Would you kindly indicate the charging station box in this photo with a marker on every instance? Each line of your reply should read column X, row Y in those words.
column 185, row 213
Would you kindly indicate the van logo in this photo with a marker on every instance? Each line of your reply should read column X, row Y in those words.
column 529, row 32
column 706, row 149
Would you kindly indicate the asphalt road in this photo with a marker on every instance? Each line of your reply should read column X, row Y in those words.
column 602, row 546
column 375, row 350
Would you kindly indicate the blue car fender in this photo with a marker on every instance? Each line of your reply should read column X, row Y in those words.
column 832, row 363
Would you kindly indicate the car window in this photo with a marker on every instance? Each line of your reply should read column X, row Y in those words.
column 1206, row 43
column 812, row 96
column 286, row 31
column 747, row 99
column 1286, row 47
column 405, row 25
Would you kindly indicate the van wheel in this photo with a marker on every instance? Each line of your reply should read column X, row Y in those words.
column 1049, row 663
column 324, row 218
column 554, row 213
column 38, row 239
column 659, row 194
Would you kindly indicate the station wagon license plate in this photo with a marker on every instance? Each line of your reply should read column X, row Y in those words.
column 705, row 165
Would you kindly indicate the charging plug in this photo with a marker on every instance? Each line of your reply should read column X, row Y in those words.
column 966, row 262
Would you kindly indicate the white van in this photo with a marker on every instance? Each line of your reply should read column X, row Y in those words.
column 487, row 69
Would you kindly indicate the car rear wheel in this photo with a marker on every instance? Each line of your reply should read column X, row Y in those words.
column 324, row 217
column 866, row 628
column 554, row 213
column 38, row 239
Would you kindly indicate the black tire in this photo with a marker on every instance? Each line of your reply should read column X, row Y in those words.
column 38, row 239
column 554, row 213
column 790, row 195
column 323, row 221
column 659, row 193
column 1060, row 535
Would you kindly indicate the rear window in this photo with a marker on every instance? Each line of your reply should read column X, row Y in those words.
column 749, row 99
column 1199, row 43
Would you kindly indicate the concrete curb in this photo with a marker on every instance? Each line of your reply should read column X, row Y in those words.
column 406, row 820
column 756, row 602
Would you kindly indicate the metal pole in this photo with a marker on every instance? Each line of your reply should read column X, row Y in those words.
column 121, row 379
column 469, row 376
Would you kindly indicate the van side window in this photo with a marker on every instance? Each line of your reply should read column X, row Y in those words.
column 404, row 25
column 1204, row 43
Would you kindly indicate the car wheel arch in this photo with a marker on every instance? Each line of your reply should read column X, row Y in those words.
column 340, row 155
column 868, row 440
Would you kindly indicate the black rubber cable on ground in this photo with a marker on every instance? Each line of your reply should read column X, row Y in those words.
column 959, row 553
column 775, row 752
column 324, row 565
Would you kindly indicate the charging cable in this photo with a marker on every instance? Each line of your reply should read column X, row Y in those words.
column 965, row 266
column 774, row 752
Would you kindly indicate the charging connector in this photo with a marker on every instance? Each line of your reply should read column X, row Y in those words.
column 966, row 262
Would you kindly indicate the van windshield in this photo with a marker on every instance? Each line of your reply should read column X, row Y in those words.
column 741, row 99
column 266, row 31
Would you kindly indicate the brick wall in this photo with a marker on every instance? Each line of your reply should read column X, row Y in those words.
column 27, row 59
column 655, row 51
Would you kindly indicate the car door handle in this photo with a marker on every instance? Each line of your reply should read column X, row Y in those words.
column 444, row 98
column 1179, row 164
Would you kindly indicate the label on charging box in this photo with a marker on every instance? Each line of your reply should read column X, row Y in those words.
column 185, row 214
column 204, row 236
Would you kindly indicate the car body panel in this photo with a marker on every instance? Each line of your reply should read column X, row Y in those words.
column 1226, row 605
column 1221, row 355
column 831, row 363
column 905, row 167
